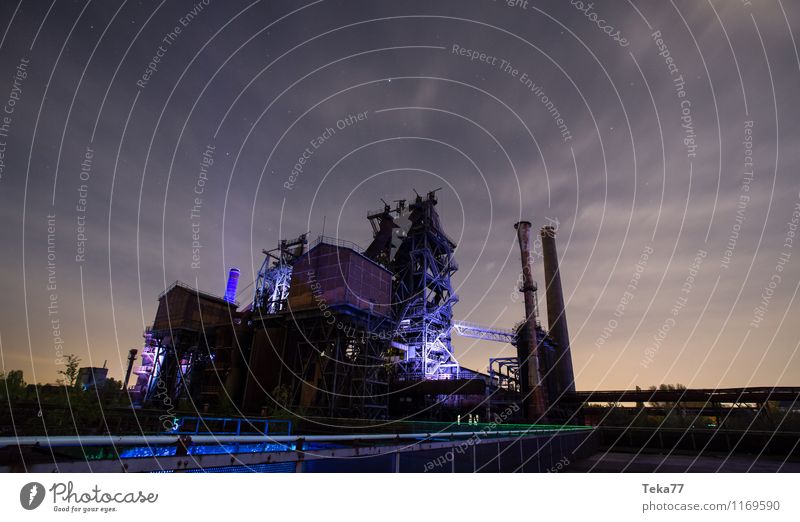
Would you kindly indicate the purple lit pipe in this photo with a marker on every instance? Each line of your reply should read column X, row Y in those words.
column 233, row 282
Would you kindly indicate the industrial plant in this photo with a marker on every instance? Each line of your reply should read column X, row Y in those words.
column 341, row 358
column 329, row 329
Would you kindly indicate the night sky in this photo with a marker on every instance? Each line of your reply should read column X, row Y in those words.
column 661, row 137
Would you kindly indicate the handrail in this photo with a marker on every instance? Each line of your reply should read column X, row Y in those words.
column 180, row 284
column 466, row 325
column 164, row 440
column 335, row 241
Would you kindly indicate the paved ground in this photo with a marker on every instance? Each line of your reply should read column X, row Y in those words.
column 648, row 463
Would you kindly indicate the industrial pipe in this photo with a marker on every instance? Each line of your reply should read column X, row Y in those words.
column 527, row 347
column 556, row 313
column 131, row 358
column 230, row 288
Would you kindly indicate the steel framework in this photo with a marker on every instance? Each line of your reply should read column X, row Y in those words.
column 504, row 373
column 165, row 370
column 423, row 295
column 275, row 276
column 168, row 366
column 484, row 333
column 384, row 231
column 338, row 367
column 148, row 372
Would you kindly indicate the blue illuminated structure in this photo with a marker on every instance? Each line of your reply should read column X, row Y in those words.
column 423, row 295
column 149, row 371
column 275, row 276
column 206, row 449
column 484, row 333
column 233, row 282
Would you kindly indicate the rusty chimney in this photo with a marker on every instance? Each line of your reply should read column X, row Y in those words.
column 556, row 314
column 527, row 345
column 131, row 358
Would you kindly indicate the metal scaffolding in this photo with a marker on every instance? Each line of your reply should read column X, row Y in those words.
column 504, row 373
column 338, row 327
column 423, row 295
column 484, row 333
column 275, row 276
column 337, row 371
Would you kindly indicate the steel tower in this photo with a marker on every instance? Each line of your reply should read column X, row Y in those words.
column 275, row 276
column 423, row 295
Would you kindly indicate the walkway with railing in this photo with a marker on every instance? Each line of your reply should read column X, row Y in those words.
column 335, row 241
column 478, row 448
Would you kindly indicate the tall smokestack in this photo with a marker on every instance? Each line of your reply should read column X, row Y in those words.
column 131, row 357
column 233, row 282
column 527, row 346
column 556, row 315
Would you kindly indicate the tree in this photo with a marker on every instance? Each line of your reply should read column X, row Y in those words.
column 12, row 383
column 113, row 386
column 639, row 404
column 70, row 371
